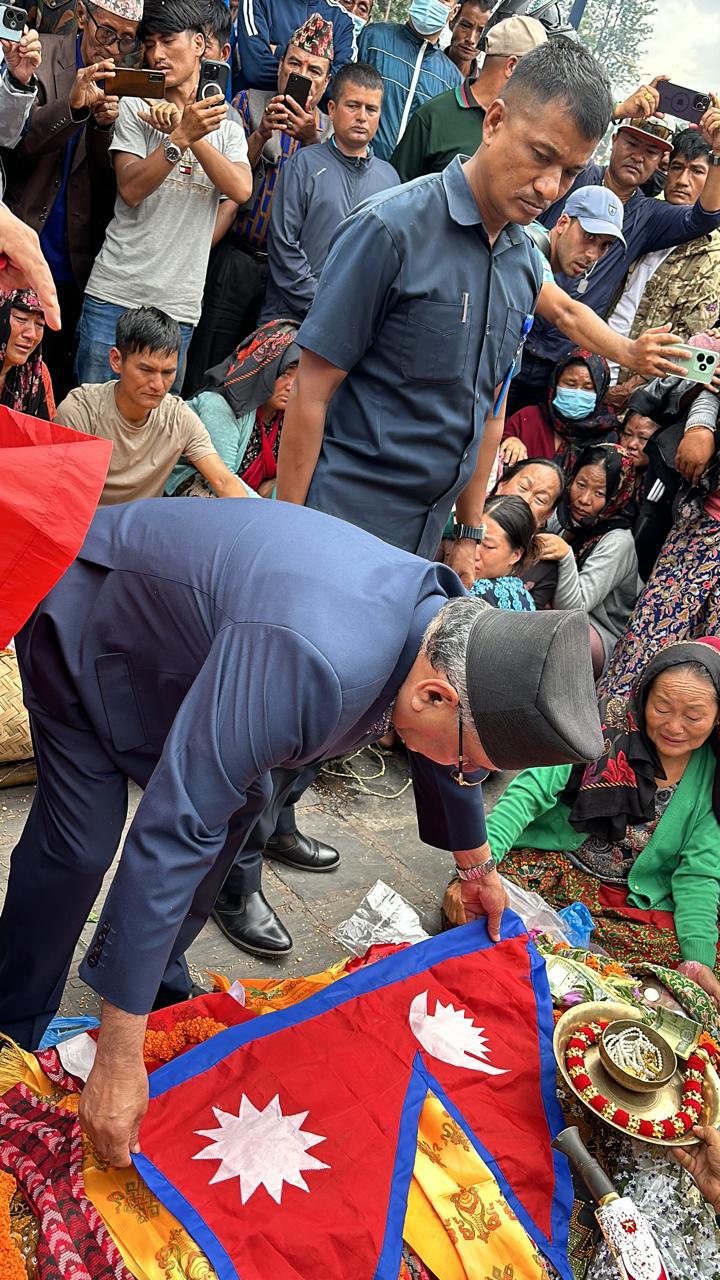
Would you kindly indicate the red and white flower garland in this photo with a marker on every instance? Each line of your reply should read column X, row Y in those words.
column 672, row 1127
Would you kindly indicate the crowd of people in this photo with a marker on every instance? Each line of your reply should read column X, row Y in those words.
column 381, row 276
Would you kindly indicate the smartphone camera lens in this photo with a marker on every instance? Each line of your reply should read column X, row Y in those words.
column 11, row 19
column 701, row 102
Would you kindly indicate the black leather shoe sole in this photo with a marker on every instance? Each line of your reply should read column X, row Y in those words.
column 223, row 923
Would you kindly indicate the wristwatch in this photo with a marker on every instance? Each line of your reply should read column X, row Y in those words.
column 172, row 151
column 473, row 531
column 715, row 159
column 477, row 872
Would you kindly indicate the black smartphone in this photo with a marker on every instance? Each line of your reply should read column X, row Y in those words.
column 214, row 79
column 129, row 83
column 298, row 88
column 686, row 104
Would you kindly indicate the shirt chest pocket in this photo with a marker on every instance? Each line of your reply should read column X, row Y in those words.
column 435, row 341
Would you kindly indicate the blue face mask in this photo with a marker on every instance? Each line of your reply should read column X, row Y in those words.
column 573, row 403
column 428, row 16
column 358, row 22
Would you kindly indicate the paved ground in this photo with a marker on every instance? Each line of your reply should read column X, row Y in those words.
column 377, row 837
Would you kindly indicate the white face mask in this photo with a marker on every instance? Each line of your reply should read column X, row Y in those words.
column 445, row 37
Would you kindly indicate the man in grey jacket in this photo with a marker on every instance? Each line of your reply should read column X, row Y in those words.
column 319, row 187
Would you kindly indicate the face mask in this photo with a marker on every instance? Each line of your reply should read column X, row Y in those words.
column 358, row 22
column 573, row 403
column 445, row 39
column 428, row 16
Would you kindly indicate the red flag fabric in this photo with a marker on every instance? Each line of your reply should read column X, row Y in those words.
column 52, row 479
column 286, row 1146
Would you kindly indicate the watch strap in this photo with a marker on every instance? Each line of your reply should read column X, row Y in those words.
column 715, row 159
column 476, row 532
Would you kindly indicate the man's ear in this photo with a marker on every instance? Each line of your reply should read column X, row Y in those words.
column 81, row 15
column 115, row 359
column 199, row 43
column 433, row 692
column 495, row 117
column 562, row 223
column 225, row 52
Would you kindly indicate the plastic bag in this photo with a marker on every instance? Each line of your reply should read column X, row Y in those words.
column 382, row 916
column 579, row 924
column 534, row 911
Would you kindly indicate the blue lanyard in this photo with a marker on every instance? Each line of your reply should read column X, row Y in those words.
column 527, row 326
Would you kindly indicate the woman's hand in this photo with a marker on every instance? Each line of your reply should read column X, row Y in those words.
column 704, row 976
column 513, row 450
column 552, row 547
column 703, row 1163
column 695, row 451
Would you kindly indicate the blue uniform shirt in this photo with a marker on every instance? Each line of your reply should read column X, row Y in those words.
column 426, row 318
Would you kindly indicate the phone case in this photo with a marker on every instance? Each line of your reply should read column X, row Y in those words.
column 702, row 365
column 685, row 104
column 214, row 79
column 13, row 21
column 129, row 83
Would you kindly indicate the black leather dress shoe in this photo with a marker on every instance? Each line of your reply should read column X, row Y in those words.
column 251, row 924
column 305, row 853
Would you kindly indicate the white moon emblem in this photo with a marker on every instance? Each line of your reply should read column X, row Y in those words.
column 450, row 1035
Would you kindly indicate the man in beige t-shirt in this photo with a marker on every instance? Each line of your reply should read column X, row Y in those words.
column 150, row 430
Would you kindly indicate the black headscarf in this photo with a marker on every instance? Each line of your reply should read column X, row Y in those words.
column 618, row 511
column 619, row 789
column 247, row 378
column 600, row 426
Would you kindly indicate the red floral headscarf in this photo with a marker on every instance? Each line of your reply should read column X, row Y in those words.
column 24, row 387
column 619, row 788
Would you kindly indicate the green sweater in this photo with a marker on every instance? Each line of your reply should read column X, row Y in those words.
column 447, row 126
column 679, row 868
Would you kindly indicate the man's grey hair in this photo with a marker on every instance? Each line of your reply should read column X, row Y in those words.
column 445, row 645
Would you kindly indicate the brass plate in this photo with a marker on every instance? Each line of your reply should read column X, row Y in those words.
column 649, row 1106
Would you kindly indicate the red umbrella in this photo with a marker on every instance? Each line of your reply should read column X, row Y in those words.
column 52, row 478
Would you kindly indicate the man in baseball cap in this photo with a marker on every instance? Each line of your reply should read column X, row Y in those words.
column 451, row 124
column 590, row 224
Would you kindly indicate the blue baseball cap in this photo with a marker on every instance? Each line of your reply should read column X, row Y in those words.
column 598, row 210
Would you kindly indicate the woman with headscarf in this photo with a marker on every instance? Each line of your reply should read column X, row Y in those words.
column 242, row 405
column 681, row 600
column 593, row 526
column 572, row 417
column 24, row 380
column 636, row 835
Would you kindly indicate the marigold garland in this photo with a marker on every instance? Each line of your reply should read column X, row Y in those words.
column 163, row 1046
column 12, row 1266
column 671, row 1127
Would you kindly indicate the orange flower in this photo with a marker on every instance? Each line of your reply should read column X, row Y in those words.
column 163, row 1046
column 12, row 1266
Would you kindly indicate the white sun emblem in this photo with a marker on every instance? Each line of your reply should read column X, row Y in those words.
column 450, row 1035
column 260, row 1147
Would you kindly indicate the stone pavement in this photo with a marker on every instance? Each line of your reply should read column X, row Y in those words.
column 376, row 835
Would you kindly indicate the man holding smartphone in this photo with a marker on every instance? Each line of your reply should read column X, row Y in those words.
column 60, row 178
column 277, row 124
column 174, row 161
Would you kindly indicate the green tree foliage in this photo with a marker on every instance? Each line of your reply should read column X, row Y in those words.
column 618, row 33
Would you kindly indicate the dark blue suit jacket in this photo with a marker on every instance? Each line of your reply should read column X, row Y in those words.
column 207, row 643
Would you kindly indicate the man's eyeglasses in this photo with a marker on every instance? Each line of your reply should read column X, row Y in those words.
column 457, row 775
column 108, row 36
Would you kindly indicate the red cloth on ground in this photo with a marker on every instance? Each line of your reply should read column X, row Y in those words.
column 52, row 479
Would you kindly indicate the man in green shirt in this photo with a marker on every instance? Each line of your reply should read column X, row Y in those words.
column 452, row 123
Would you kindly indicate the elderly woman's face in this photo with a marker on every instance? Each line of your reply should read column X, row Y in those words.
column 26, row 332
column 680, row 712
